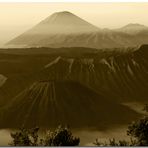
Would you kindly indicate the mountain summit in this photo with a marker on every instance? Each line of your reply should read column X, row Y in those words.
column 66, row 22
column 65, row 29
column 59, row 23
column 62, row 23
column 133, row 28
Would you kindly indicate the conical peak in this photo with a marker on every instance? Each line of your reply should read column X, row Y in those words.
column 55, row 17
column 69, row 20
column 63, row 13
column 60, row 15
column 54, row 29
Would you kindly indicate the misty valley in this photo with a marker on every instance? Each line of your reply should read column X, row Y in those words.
column 66, row 71
column 89, row 90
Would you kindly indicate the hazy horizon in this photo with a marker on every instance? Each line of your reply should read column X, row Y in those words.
column 16, row 18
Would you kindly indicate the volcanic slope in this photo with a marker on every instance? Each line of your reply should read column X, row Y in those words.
column 125, row 75
column 53, row 29
column 21, row 67
column 49, row 103
column 64, row 29
column 2, row 80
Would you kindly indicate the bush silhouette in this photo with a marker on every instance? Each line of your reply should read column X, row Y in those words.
column 25, row 137
column 139, row 130
column 61, row 136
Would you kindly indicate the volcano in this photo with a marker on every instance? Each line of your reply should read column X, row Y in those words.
column 63, row 23
column 65, row 29
column 57, row 25
column 49, row 103
column 122, row 76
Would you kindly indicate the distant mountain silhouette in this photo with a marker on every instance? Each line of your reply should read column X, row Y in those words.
column 58, row 24
column 63, row 23
column 64, row 29
column 49, row 103
column 133, row 28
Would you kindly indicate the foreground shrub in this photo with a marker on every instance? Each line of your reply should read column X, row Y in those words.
column 25, row 137
column 139, row 131
column 112, row 142
column 61, row 136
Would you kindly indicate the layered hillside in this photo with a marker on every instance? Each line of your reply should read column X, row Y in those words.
column 121, row 75
column 124, row 75
column 49, row 103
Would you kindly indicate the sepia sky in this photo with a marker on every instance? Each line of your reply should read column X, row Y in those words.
column 15, row 18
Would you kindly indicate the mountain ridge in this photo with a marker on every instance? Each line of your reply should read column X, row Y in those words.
column 34, row 61
column 133, row 28
column 64, row 29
